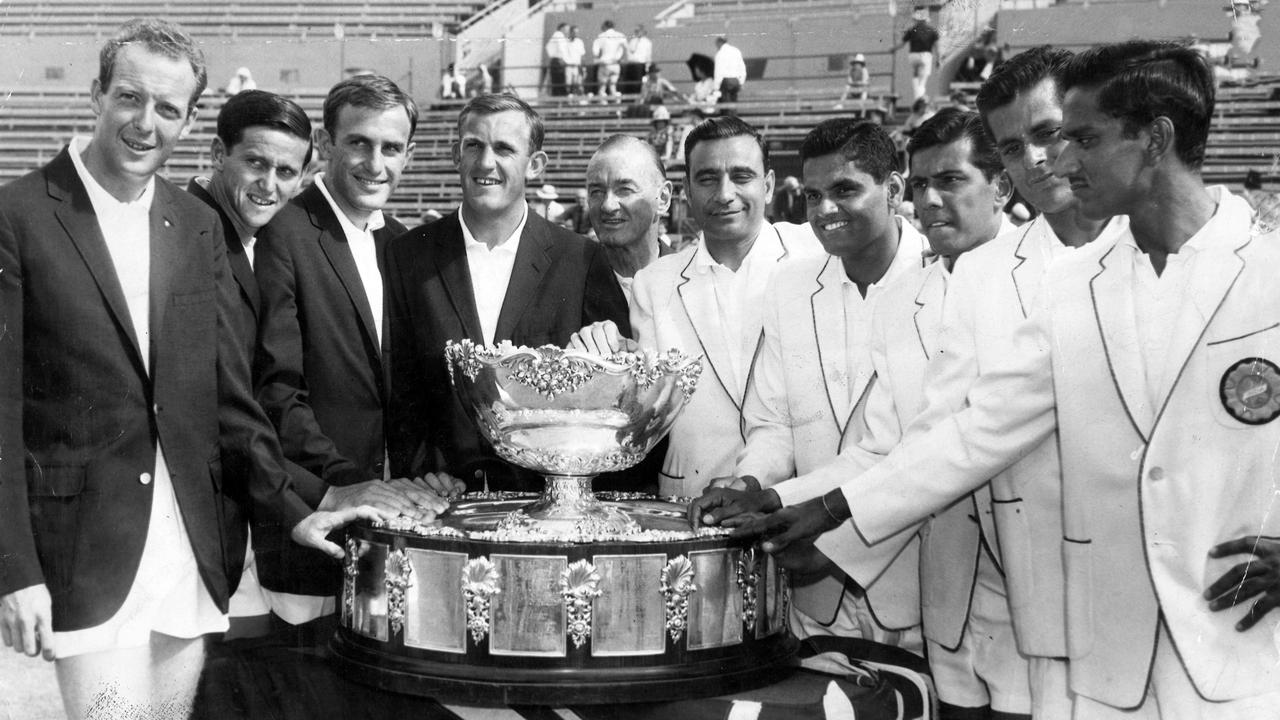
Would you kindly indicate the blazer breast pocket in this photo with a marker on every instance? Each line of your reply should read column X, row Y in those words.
column 199, row 297
column 1243, row 378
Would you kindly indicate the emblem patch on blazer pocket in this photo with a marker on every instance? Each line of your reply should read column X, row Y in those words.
column 1250, row 391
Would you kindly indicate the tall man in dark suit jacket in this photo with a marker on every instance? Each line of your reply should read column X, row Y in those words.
column 320, row 371
column 121, row 381
column 491, row 271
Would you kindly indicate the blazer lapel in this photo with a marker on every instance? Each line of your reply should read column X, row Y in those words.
column 1113, row 308
column 1216, row 270
column 333, row 241
column 928, row 314
column 533, row 258
column 698, row 296
column 450, row 254
column 78, row 219
column 237, row 257
column 827, row 305
column 166, row 254
column 1028, row 268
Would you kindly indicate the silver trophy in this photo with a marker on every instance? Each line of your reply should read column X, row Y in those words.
column 570, row 415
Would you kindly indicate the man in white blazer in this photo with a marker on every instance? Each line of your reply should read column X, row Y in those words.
column 1156, row 356
column 805, row 396
column 708, row 300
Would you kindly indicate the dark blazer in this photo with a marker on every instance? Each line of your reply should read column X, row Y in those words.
column 561, row 281
column 320, row 371
column 80, row 416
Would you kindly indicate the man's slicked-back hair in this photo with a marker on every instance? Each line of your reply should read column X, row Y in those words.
column 371, row 92
column 1140, row 80
column 259, row 108
column 862, row 143
column 952, row 124
column 630, row 142
column 1020, row 73
column 722, row 127
column 158, row 36
column 495, row 103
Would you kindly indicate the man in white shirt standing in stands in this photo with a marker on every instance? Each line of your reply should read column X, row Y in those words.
column 627, row 195
column 709, row 300
column 557, row 49
column 813, row 373
column 609, row 48
column 730, row 71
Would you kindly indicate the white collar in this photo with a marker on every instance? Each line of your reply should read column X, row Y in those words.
column 508, row 245
column 376, row 219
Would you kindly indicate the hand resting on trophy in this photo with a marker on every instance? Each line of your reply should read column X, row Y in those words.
column 603, row 339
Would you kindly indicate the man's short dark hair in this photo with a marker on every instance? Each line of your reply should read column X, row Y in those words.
column 862, row 143
column 952, row 124
column 649, row 151
column 722, row 127
column 495, row 103
column 259, row 108
column 1020, row 74
column 158, row 36
column 1141, row 80
column 372, row 92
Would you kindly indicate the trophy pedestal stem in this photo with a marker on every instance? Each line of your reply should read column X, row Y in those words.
column 568, row 507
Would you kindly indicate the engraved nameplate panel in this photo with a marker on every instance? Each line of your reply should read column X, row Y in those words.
column 715, row 610
column 629, row 616
column 529, row 615
column 434, row 616
column 369, row 610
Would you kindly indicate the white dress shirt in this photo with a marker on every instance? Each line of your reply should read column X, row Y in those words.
column 490, row 271
column 739, row 294
column 730, row 64
column 364, row 251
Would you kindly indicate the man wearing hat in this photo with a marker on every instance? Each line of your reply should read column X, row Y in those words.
column 545, row 205
column 661, row 136
column 859, row 80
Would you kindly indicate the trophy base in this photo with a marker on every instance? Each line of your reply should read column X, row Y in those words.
column 568, row 508
column 462, row 611
column 768, row 663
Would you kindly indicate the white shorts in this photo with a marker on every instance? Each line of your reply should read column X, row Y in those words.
column 167, row 596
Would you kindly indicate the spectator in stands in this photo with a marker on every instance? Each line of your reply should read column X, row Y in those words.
column 627, row 195
column 1244, row 29
column 574, row 51
column 320, row 277
column 1253, row 191
column 546, row 203
column 639, row 57
column 113, row 561
column 858, row 82
column 730, row 71
column 452, row 84
column 662, row 136
column 557, row 50
column 704, row 96
column 609, row 49
column 241, row 81
column 788, row 202
column 921, row 110
column 574, row 217
column 491, row 271
column 920, row 40
column 656, row 89
column 484, row 80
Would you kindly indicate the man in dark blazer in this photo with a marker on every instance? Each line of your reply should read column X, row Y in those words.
column 121, row 383
column 491, row 271
column 262, row 145
column 320, row 367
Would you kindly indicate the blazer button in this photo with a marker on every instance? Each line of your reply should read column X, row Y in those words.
column 145, row 478
column 1155, row 473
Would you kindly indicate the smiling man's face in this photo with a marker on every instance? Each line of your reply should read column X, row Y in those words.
column 729, row 188
column 367, row 154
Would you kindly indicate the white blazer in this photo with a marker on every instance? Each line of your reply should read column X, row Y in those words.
column 1147, row 491
column 675, row 307
column 998, row 285
column 803, row 405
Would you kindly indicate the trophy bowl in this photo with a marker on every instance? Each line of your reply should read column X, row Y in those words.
column 570, row 415
column 567, row 597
